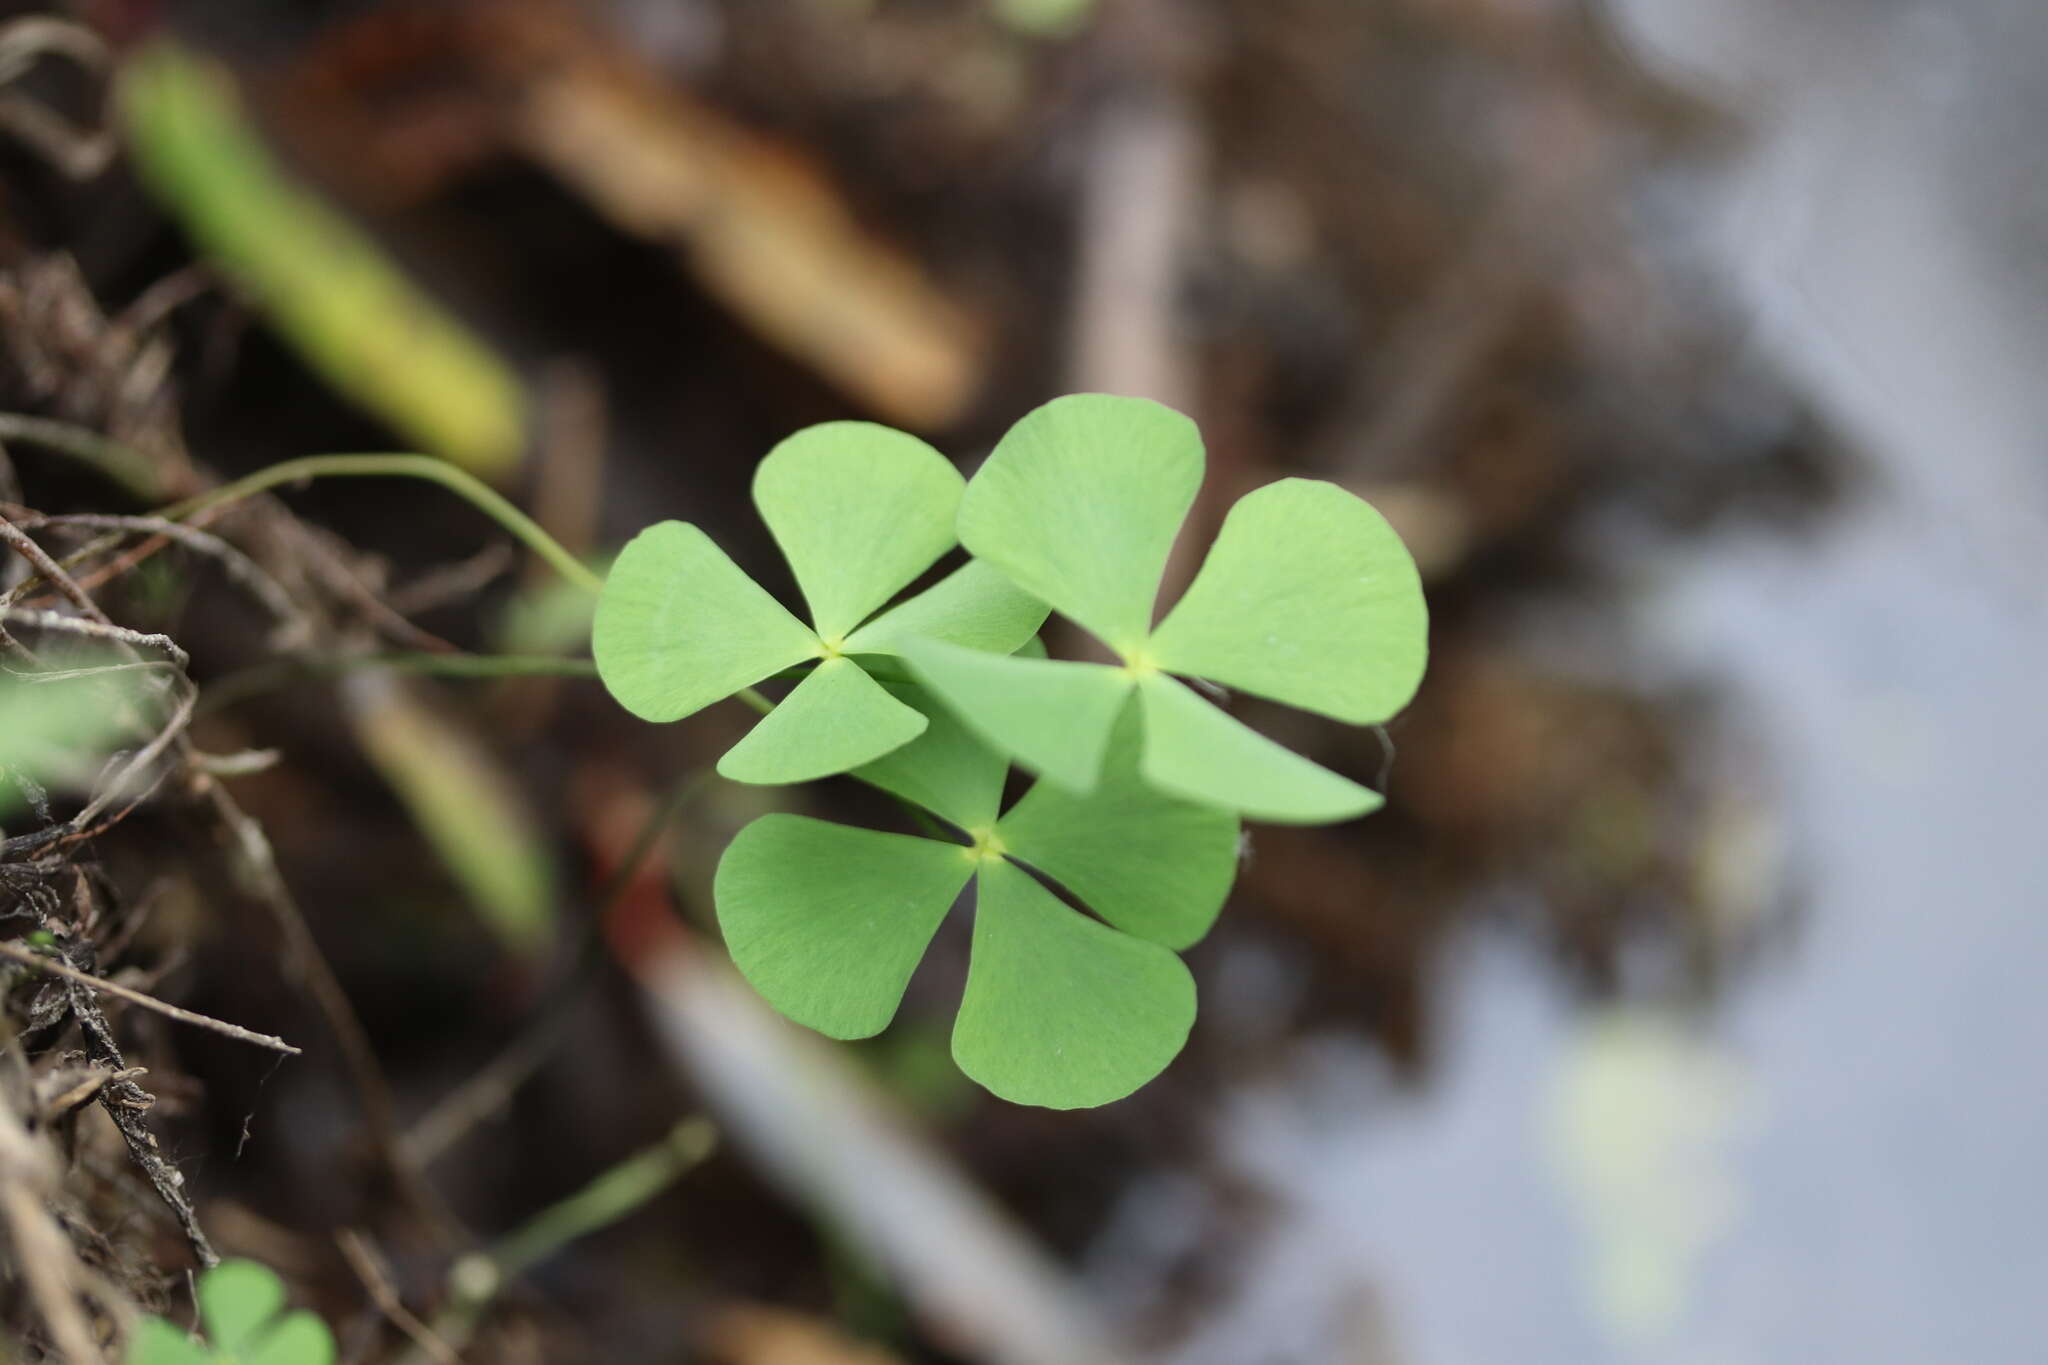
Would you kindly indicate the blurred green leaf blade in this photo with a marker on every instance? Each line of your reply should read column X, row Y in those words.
column 59, row 729
column 332, row 293
column 469, row 808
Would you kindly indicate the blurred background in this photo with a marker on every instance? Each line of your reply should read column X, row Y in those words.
column 1683, row 1005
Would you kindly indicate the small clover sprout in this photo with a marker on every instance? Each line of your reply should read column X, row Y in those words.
column 859, row 511
column 1307, row 597
column 1060, row 1009
column 241, row 1306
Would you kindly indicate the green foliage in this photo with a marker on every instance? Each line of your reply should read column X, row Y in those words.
column 241, row 1307
column 461, row 799
column 57, row 726
column 859, row 511
column 329, row 290
column 1123, row 851
column 1307, row 597
column 1060, row 1009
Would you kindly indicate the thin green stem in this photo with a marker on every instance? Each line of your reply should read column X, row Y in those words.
column 605, row 1200
column 255, row 681
column 476, row 1280
column 492, row 1085
column 481, row 495
column 485, row 498
column 469, row 665
column 121, row 463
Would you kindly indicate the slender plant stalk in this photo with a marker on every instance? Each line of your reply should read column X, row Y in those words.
column 477, row 1279
column 605, row 1200
column 123, row 464
column 456, row 1113
column 486, row 499
column 466, row 665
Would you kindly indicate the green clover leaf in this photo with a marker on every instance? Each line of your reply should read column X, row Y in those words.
column 1060, row 1009
column 241, row 1306
column 1307, row 597
column 858, row 510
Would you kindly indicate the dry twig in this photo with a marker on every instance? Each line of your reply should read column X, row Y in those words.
column 257, row 864
column 362, row 1258
column 44, row 962
column 28, row 1176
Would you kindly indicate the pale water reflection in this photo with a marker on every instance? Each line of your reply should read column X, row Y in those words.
column 1853, row 1134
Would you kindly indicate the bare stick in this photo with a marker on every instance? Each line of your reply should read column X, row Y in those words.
column 241, row 570
column 47, row 1261
column 29, row 957
column 50, row 569
column 93, row 630
column 256, row 861
column 257, row 864
column 368, row 1266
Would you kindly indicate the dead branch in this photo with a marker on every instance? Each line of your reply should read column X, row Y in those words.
column 29, row 957
column 28, row 1177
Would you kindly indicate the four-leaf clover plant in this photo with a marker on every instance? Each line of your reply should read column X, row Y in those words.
column 1307, row 597
column 859, row 511
column 1123, row 851
column 1061, row 1008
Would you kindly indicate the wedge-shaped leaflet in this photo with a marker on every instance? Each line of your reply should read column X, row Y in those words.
column 1061, row 1008
column 157, row 1342
column 1151, row 864
column 1052, row 715
column 680, row 626
column 835, row 719
column 1079, row 504
column 859, row 511
column 300, row 1339
column 828, row 922
column 973, row 606
column 1197, row 752
column 1307, row 597
column 947, row 770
